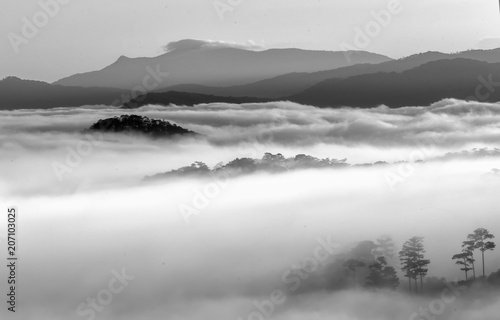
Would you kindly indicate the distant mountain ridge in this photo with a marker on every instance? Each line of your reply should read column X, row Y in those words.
column 17, row 93
column 216, row 67
column 420, row 86
column 416, row 80
column 292, row 83
column 426, row 84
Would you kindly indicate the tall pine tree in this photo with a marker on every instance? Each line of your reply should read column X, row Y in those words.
column 480, row 238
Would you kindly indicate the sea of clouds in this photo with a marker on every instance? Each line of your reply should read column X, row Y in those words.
column 86, row 213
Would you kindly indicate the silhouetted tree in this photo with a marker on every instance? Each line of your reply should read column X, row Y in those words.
column 364, row 251
column 408, row 265
column 381, row 275
column 494, row 278
column 386, row 247
column 374, row 278
column 413, row 263
column 480, row 237
column 468, row 248
column 244, row 164
column 134, row 123
column 273, row 157
column 390, row 276
column 463, row 260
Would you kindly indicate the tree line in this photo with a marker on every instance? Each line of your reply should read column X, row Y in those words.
column 478, row 240
column 413, row 263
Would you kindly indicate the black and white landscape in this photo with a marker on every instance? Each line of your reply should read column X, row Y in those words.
column 250, row 160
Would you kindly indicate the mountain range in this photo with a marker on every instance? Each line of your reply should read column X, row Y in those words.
column 458, row 78
column 291, row 83
column 216, row 66
column 29, row 94
column 190, row 76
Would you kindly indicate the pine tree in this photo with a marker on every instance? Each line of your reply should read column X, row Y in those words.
column 381, row 275
column 463, row 260
column 374, row 278
column 390, row 277
column 385, row 247
column 480, row 237
column 413, row 263
column 468, row 248
column 407, row 264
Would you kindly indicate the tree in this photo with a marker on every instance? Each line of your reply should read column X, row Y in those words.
column 413, row 263
column 407, row 263
column 468, row 248
column 374, row 278
column 494, row 278
column 381, row 275
column 480, row 237
column 385, row 247
column 353, row 264
column 463, row 260
column 269, row 157
column 364, row 251
column 390, row 277
column 422, row 269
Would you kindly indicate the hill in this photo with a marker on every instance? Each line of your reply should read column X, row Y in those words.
column 139, row 124
column 431, row 82
column 16, row 93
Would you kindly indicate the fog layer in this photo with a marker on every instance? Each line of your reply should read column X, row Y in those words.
column 211, row 248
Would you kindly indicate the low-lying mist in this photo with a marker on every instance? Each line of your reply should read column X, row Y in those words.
column 220, row 247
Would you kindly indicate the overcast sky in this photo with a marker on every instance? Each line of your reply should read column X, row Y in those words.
column 91, row 34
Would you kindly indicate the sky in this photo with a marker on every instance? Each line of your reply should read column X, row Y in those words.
column 81, row 36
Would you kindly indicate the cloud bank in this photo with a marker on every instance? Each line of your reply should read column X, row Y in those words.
column 192, row 44
column 247, row 231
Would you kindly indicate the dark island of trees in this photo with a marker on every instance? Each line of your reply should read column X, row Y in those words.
column 269, row 163
column 139, row 124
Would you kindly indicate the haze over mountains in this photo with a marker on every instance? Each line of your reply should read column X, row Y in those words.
column 217, row 66
column 29, row 94
column 186, row 99
column 289, row 84
column 191, row 73
column 458, row 78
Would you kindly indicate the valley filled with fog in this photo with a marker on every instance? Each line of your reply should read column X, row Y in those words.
column 216, row 246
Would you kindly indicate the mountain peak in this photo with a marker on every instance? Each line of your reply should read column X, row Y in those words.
column 123, row 58
column 11, row 79
column 16, row 81
column 215, row 63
